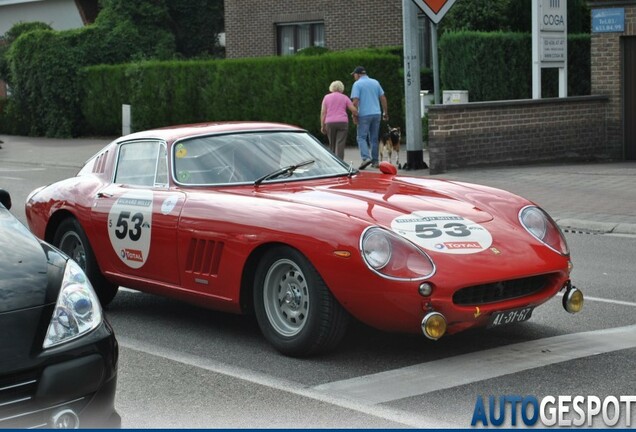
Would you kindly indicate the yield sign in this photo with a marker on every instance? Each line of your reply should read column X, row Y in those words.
column 435, row 9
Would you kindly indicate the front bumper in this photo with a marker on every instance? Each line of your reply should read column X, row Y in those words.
column 78, row 391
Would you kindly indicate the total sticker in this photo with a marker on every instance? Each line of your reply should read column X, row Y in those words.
column 129, row 227
column 443, row 232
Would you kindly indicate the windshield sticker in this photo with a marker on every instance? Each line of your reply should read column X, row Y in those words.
column 129, row 223
column 181, row 151
column 443, row 232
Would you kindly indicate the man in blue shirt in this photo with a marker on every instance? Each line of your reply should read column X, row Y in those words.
column 368, row 97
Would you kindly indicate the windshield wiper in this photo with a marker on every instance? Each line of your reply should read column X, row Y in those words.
column 286, row 171
column 352, row 170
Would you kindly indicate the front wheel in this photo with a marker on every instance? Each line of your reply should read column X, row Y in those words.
column 71, row 239
column 294, row 308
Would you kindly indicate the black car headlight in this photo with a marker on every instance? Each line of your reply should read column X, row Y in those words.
column 394, row 257
column 538, row 223
column 77, row 310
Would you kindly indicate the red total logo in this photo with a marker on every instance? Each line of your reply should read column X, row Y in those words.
column 133, row 255
column 462, row 245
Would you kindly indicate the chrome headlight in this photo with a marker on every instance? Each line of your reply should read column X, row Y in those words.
column 394, row 257
column 77, row 310
column 538, row 223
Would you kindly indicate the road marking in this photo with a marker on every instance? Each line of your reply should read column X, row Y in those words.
column 454, row 371
column 21, row 169
column 398, row 416
column 604, row 300
column 618, row 302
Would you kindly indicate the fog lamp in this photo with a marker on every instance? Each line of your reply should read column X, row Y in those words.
column 65, row 419
column 434, row 325
column 573, row 300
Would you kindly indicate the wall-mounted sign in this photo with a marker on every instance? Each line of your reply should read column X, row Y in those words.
column 608, row 20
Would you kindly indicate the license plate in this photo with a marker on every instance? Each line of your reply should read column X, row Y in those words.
column 510, row 316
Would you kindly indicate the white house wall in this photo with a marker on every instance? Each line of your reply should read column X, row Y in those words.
column 59, row 14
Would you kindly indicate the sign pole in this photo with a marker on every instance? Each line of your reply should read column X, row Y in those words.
column 435, row 58
column 536, row 63
column 414, row 145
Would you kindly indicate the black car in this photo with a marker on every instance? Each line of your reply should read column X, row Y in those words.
column 58, row 354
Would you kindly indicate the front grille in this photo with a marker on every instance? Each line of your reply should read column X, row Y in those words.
column 18, row 408
column 499, row 291
column 16, row 393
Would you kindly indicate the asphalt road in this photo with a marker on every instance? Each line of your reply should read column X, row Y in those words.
column 186, row 367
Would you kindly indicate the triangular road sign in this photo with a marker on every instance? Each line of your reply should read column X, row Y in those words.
column 435, row 9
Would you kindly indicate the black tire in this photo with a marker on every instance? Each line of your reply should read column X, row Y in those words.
column 294, row 308
column 71, row 239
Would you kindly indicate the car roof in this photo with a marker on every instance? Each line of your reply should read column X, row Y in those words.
column 173, row 133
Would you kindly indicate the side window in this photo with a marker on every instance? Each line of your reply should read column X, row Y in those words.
column 138, row 164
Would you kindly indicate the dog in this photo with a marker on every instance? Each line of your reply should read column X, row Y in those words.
column 390, row 143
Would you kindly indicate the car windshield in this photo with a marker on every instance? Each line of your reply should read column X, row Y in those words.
column 253, row 157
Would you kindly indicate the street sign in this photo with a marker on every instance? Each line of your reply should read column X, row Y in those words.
column 435, row 9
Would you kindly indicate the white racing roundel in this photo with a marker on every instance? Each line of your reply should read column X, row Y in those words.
column 129, row 223
column 443, row 232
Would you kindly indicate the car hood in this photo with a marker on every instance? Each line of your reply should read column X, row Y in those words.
column 380, row 199
column 25, row 264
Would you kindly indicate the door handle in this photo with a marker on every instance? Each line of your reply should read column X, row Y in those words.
column 104, row 195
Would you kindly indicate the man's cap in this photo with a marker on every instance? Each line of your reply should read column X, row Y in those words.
column 359, row 70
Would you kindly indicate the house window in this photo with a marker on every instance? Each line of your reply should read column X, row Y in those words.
column 294, row 37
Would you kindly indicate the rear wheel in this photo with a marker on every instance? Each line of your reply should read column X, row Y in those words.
column 71, row 239
column 295, row 310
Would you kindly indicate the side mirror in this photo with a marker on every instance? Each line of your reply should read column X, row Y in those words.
column 5, row 199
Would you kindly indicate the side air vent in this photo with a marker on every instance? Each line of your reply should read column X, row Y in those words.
column 100, row 163
column 204, row 257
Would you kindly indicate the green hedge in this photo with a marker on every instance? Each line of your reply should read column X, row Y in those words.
column 280, row 89
column 498, row 66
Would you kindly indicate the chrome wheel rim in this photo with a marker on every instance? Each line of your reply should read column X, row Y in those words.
column 286, row 297
column 72, row 246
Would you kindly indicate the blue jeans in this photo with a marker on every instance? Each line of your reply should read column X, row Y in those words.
column 368, row 133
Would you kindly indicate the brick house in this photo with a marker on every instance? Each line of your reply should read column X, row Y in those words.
column 613, row 58
column 274, row 27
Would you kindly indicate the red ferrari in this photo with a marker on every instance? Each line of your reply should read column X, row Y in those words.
column 261, row 218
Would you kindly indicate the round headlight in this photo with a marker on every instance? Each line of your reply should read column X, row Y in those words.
column 394, row 257
column 376, row 249
column 543, row 228
column 534, row 221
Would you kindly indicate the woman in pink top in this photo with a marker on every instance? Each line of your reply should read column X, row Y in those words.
column 334, row 121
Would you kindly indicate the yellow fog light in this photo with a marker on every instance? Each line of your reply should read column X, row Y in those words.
column 434, row 325
column 573, row 300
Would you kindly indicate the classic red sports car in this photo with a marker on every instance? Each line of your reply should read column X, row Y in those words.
column 260, row 217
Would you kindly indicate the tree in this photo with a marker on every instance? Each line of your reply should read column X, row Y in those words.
column 9, row 37
column 196, row 25
column 507, row 15
column 139, row 29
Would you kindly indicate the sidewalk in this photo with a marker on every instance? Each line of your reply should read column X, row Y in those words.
column 597, row 198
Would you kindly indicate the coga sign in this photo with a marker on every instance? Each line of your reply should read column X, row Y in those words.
column 553, row 15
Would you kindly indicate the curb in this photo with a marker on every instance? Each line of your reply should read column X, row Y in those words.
column 593, row 227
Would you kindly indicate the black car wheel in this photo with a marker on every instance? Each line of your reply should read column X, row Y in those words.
column 71, row 239
column 295, row 310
